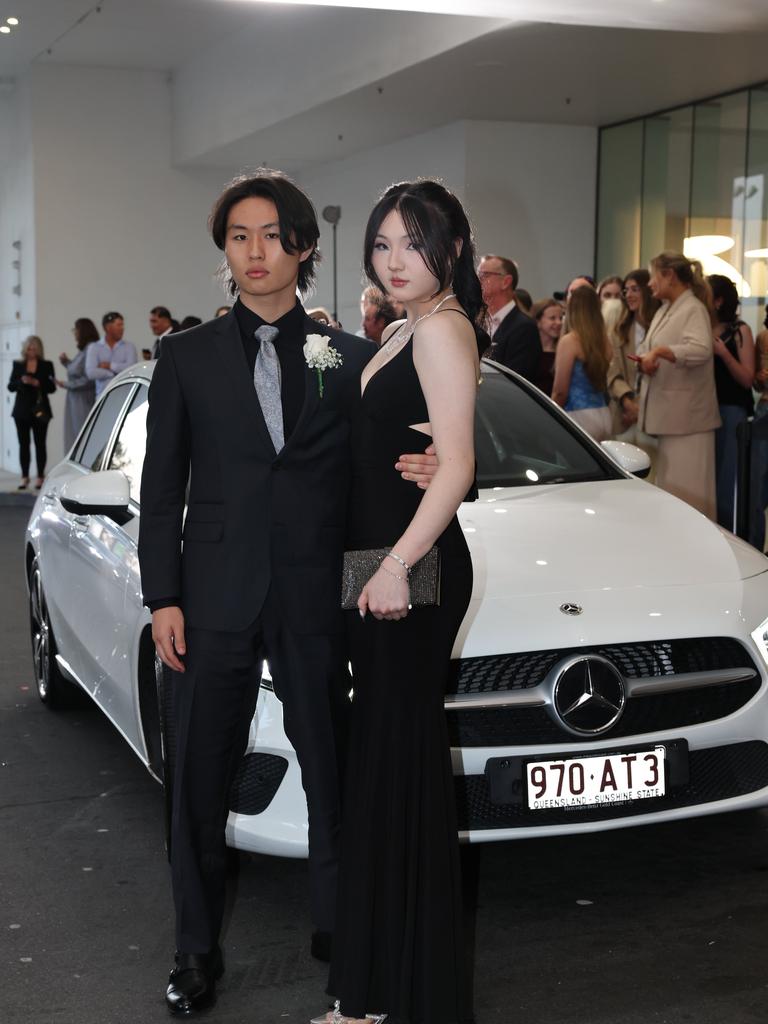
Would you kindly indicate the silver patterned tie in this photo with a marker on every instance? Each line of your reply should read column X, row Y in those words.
column 266, row 380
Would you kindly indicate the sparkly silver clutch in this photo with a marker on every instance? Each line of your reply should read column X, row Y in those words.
column 359, row 566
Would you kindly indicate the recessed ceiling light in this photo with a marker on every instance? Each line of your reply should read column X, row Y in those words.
column 5, row 29
column 12, row 21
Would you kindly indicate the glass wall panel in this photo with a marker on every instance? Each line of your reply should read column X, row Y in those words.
column 716, row 223
column 756, row 210
column 618, row 218
column 666, row 182
column 696, row 179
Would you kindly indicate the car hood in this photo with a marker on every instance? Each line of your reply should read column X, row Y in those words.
column 612, row 534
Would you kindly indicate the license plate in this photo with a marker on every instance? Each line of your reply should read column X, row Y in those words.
column 604, row 779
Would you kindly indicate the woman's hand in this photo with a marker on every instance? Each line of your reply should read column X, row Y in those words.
column 32, row 381
column 385, row 596
column 649, row 363
column 719, row 347
column 630, row 411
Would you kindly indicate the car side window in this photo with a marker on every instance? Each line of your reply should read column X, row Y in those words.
column 128, row 453
column 92, row 452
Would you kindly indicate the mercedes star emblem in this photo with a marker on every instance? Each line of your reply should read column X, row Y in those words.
column 588, row 695
column 571, row 609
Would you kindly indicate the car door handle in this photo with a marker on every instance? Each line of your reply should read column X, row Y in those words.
column 81, row 521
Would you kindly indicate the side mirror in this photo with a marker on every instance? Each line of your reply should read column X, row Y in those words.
column 631, row 458
column 98, row 494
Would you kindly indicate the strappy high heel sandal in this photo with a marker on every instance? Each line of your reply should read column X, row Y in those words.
column 335, row 1016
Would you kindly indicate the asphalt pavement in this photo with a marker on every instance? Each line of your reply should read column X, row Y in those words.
column 660, row 925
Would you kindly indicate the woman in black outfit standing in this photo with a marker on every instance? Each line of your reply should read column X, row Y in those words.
column 33, row 379
column 398, row 952
column 734, row 349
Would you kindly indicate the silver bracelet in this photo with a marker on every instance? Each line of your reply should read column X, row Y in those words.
column 404, row 579
column 397, row 558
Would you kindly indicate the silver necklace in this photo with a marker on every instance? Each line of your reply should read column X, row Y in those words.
column 405, row 330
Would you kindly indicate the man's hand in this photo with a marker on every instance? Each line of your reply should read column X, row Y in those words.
column 105, row 366
column 419, row 468
column 168, row 635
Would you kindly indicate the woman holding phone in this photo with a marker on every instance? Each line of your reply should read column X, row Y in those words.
column 678, row 401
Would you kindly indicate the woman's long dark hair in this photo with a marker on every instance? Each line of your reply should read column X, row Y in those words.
column 586, row 321
column 85, row 331
column 648, row 305
column 435, row 220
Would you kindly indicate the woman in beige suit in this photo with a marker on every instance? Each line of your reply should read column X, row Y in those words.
column 678, row 402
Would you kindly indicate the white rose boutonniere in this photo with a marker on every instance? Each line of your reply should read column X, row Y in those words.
column 320, row 355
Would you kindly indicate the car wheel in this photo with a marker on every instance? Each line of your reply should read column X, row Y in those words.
column 52, row 688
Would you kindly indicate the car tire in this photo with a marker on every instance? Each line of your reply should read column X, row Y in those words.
column 52, row 688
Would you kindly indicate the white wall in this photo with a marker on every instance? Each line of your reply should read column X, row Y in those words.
column 17, row 223
column 117, row 227
column 531, row 192
column 355, row 184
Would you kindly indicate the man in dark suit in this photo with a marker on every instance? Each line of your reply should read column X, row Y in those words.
column 262, row 439
column 514, row 336
column 161, row 325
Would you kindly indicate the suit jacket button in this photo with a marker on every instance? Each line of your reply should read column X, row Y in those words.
column 276, row 466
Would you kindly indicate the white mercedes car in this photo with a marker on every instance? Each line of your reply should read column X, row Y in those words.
column 612, row 669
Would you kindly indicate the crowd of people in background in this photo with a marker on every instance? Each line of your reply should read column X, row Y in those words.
column 658, row 357
column 99, row 358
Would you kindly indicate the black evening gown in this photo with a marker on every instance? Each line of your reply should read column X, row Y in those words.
column 398, row 946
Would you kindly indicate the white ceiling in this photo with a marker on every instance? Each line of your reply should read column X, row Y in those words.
column 566, row 61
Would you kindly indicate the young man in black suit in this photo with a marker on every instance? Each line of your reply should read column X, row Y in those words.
column 515, row 336
column 262, row 438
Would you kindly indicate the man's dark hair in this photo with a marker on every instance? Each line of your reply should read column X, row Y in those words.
column 162, row 311
column 109, row 317
column 383, row 305
column 298, row 220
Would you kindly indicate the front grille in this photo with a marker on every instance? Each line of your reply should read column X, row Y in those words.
column 716, row 773
column 655, row 658
column 258, row 779
column 516, row 726
column 501, row 725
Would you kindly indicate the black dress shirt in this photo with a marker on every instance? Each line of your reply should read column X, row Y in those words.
column 289, row 345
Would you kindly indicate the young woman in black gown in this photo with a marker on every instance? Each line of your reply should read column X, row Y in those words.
column 398, row 950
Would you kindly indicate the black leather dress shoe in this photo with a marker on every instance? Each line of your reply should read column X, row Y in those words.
column 320, row 947
column 192, row 982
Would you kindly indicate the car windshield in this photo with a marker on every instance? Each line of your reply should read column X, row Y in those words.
column 520, row 440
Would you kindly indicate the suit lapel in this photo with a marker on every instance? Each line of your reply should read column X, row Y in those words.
column 243, row 393
column 311, row 389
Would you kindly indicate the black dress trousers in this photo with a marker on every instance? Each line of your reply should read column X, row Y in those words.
column 213, row 704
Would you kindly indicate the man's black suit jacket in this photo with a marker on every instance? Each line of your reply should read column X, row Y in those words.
column 516, row 344
column 254, row 518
